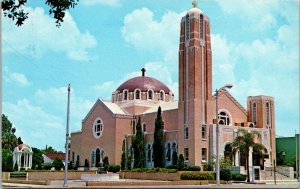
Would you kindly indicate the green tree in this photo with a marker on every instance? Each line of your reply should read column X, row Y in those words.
column 225, row 162
column 128, row 160
column 180, row 164
column 243, row 142
column 158, row 143
column 37, row 157
column 57, row 164
column 14, row 9
column 138, row 146
column 105, row 163
column 7, row 160
column 9, row 139
column 174, row 159
column 20, row 140
column 123, row 160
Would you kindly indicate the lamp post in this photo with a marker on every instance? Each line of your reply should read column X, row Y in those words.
column 67, row 141
column 217, row 131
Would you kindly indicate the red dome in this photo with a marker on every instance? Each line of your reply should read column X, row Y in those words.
column 144, row 84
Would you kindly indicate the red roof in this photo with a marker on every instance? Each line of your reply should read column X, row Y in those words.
column 52, row 156
column 143, row 83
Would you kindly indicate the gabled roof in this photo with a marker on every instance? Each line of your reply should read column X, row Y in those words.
column 112, row 107
column 52, row 156
column 224, row 91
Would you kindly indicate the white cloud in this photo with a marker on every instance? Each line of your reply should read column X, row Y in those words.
column 101, row 2
column 161, row 36
column 33, row 123
column 79, row 106
column 18, row 78
column 39, row 35
column 146, row 34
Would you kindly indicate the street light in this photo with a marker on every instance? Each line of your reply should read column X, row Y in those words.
column 228, row 86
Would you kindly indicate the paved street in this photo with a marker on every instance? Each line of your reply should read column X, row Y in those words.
column 80, row 184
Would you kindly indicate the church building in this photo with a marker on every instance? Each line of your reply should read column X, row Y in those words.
column 189, row 123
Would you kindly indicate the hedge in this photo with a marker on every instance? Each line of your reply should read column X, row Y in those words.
column 152, row 170
column 197, row 176
column 225, row 174
column 238, row 177
column 192, row 168
column 114, row 168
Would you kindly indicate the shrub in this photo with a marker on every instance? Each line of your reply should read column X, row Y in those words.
column 192, row 168
column 238, row 177
column 180, row 164
column 208, row 167
column 57, row 164
column 123, row 160
column 70, row 165
column 47, row 166
column 197, row 176
column 105, row 163
column 86, row 163
column 114, row 168
column 225, row 174
column 154, row 170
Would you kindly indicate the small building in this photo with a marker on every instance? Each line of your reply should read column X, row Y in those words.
column 286, row 148
column 50, row 157
column 22, row 155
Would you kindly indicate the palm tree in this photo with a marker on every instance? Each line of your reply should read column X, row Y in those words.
column 244, row 141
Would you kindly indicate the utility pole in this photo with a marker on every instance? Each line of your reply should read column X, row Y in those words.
column 67, row 140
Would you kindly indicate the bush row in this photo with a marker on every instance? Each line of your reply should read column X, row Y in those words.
column 224, row 175
column 152, row 170
column 238, row 177
column 197, row 176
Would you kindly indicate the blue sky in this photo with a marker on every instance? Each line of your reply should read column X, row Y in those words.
column 102, row 43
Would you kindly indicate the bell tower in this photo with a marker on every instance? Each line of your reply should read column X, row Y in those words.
column 195, row 86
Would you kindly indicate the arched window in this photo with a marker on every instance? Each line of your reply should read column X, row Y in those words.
column 224, row 118
column 150, row 94
column 162, row 95
column 187, row 27
column 201, row 26
column 149, row 152
column 98, row 127
column 144, row 127
column 186, row 133
column 133, row 127
column 268, row 113
column 254, row 112
column 174, row 146
column 93, row 158
column 98, row 158
column 168, row 152
column 137, row 94
column 125, row 94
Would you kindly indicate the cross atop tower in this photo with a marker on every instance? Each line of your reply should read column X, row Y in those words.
column 195, row 4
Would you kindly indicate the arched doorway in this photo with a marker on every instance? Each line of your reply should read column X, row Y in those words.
column 98, row 157
column 259, row 157
column 228, row 150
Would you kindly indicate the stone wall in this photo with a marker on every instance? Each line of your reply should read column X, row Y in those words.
column 55, row 175
column 150, row 176
column 286, row 171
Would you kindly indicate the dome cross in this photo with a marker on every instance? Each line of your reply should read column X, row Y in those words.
column 195, row 4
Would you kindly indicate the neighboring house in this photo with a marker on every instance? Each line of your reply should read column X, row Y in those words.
column 50, row 157
column 286, row 148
